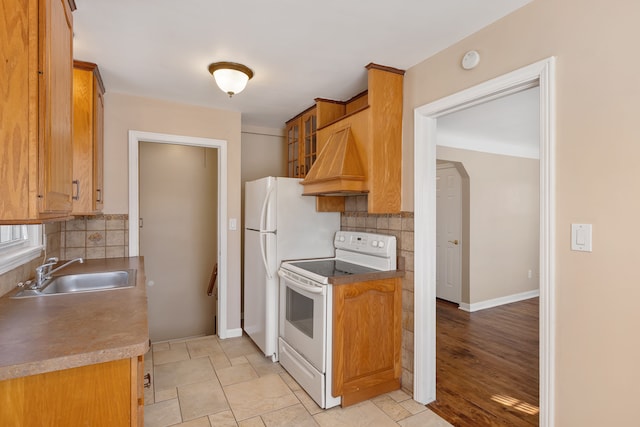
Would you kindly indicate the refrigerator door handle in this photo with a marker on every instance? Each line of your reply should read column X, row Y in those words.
column 263, row 252
column 263, row 211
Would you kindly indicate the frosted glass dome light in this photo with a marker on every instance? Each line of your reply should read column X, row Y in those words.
column 230, row 77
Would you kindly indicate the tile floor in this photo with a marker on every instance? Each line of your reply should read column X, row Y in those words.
column 207, row 382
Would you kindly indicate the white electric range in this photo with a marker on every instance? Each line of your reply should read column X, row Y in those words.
column 305, row 341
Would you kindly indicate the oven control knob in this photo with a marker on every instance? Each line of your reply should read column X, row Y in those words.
column 341, row 238
column 381, row 244
column 375, row 243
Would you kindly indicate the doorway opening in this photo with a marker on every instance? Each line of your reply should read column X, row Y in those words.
column 452, row 248
column 178, row 236
column 135, row 138
column 487, row 359
column 426, row 117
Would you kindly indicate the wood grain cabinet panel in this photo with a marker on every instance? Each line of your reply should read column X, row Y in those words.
column 105, row 394
column 36, row 110
column 366, row 339
column 373, row 151
column 88, row 139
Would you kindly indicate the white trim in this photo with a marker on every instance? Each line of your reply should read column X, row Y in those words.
column 18, row 258
column 135, row 137
column 495, row 302
column 540, row 73
column 23, row 252
column 234, row 333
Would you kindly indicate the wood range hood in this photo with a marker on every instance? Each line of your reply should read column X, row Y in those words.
column 360, row 145
column 338, row 170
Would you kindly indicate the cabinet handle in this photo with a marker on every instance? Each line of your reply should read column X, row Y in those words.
column 76, row 182
column 302, row 170
column 99, row 199
column 297, row 170
column 147, row 380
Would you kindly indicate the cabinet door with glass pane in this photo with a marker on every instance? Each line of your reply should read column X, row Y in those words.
column 309, row 142
column 292, row 132
column 300, row 133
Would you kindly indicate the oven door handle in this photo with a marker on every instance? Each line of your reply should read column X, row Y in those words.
column 301, row 286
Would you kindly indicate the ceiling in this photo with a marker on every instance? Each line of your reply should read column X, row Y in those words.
column 299, row 50
column 509, row 125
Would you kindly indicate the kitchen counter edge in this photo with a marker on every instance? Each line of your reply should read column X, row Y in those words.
column 83, row 329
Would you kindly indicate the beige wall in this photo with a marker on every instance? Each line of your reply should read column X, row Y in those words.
column 597, row 180
column 125, row 112
column 503, row 223
column 263, row 153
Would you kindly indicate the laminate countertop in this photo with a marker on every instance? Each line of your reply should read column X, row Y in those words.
column 49, row 333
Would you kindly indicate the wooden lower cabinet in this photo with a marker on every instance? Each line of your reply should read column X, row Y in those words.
column 105, row 394
column 367, row 339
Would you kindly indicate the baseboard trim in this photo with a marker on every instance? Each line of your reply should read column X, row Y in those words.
column 499, row 301
column 231, row 333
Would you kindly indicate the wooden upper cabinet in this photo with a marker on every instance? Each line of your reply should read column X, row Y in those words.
column 300, row 133
column 88, row 139
column 360, row 145
column 56, row 39
column 36, row 104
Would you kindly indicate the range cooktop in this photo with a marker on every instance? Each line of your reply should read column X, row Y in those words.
column 332, row 267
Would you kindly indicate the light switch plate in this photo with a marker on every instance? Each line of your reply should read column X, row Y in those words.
column 233, row 224
column 581, row 237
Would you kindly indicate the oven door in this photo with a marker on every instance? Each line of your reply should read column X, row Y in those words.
column 302, row 317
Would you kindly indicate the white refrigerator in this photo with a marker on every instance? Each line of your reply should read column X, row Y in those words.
column 279, row 224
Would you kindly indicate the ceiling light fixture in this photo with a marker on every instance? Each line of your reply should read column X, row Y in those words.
column 230, row 77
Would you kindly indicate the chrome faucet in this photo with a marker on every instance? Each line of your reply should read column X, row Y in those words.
column 44, row 271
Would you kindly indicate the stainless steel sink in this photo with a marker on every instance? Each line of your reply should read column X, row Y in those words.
column 84, row 282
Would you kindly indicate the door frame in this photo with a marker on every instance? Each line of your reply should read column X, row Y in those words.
column 135, row 137
column 425, row 127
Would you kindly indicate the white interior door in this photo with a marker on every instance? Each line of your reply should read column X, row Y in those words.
column 178, row 237
column 448, row 233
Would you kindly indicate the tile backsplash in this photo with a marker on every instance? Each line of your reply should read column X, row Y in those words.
column 356, row 218
column 91, row 237
column 100, row 236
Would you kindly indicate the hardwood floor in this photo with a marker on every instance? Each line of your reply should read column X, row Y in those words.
column 487, row 365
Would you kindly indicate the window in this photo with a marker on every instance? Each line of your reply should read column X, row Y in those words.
column 19, row 244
